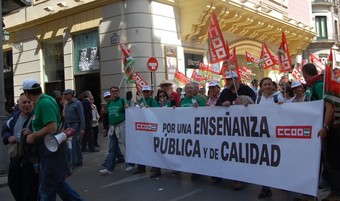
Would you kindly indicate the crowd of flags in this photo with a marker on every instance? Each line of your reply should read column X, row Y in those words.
column 218, row 52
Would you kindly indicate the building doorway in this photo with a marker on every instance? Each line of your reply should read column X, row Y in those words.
column 89, row 82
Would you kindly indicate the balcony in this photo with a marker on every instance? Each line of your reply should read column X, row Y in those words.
column 324, row 2
column 331, row 38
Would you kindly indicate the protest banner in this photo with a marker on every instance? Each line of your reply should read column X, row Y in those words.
column 272, row 145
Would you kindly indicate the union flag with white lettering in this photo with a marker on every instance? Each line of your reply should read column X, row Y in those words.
column 285, row 62
column 217, row 46
column 266, row 60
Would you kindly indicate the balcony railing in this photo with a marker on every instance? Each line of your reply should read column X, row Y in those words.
column 331, row 38
column 324, row 1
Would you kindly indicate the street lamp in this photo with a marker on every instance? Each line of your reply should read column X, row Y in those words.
column 5, row 36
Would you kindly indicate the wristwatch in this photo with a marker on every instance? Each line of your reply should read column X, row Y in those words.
column 326, row 128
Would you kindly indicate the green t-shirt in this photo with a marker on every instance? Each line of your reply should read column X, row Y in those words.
column 189, row 102
column 203, row 99
column 150, row 102
column 46, row 111
column 166, row 104
column 315, row 92
column 116, row 111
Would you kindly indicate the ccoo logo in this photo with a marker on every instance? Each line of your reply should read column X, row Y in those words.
column 301, row 132
column 144, row 126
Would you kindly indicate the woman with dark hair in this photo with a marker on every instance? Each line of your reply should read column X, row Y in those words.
column 163, row 99
column 268, row 96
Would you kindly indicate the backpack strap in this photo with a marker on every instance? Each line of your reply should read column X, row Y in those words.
column 258, row 99
column 276, row 99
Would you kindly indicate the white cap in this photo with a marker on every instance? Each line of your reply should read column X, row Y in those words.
column 146, row 88
column 30, row 84
column 213, row 84
column 165, row 82
column 230, row 74
column 106, row 93
column 296, row 84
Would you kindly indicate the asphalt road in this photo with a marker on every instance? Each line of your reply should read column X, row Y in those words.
column 124, row 186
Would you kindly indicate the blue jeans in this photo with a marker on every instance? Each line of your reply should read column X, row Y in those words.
column 110, row 161
column 53, row 170
column 64, row 190
column 76, row 156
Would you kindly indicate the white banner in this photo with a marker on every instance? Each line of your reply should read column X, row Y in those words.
column 272, row 145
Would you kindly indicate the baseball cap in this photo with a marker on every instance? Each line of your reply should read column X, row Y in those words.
column 295, row 84
column 68, row 91
column 214, row 84
column 146, row 88
column 230, row 74
column 165, row 82
column 30, row 84
column 106, row 93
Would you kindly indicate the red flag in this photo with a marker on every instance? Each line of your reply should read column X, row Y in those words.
column 217, row 45
column 233, row 62
column 285, row 61
column 140, row 82
column 243, row 73
column 319, row 65
column 226, row 63
column 209, row 71
column 195, row 77
column 297, row 74
column 246, row 70
column 267, row 60
column 332, row 85
column 180, row 78
column 251, row 59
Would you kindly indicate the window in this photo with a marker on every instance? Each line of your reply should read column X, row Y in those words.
column 336, row 30
column 321, row 27
column 53, row 66
column 86, row 52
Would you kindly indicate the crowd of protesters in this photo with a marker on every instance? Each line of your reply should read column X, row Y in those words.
column 63, row 110
column 265, row 91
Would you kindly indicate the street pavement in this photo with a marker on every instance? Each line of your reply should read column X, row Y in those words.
column 124, row 186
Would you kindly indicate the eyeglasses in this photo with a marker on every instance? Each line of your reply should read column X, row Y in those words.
column 113, row 91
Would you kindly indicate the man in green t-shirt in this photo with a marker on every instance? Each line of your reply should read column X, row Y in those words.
column 329, row 132
column 190, row 100
column 147, row 101
column 53, row 166
column 115, row 111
